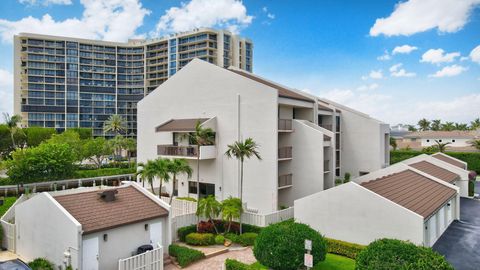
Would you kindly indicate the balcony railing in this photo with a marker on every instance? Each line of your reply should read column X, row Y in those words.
column 285, row 181
column 284, row 125
column 285, row 152
column 172, row 150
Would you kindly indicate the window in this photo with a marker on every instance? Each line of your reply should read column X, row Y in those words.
column 205, row 189
column 453, row 140
column 440, row 140
column 428, row 140
column 362, row 173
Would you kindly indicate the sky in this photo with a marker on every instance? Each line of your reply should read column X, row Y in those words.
column 398, row 61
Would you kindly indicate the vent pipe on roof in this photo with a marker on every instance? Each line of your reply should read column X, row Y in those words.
column 108, row 195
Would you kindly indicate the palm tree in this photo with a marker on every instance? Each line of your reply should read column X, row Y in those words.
column 424, row 124
column 147, row 172
column 475, row 124
column 411, row 128
column 209, row 207
column 436, row 125
column 459, row 126
column 130, row 145
column 115, row 123
column 448, row 126
column 242, row 150
column 117, row 143
column 441, row 147
column 161, row 171
column 231, row 209
column 475, row 143
column 175, row 167
column 393, row 143
column 201, row 136
column 12, row 124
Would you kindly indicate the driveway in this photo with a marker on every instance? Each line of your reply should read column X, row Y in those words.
column 460, row 243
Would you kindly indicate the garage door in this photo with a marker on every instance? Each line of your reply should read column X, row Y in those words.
column 432, row 230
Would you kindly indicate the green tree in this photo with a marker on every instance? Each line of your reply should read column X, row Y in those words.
column 475, row 143
column 84, row 133
column 36, row 135
column 210, row 208
column 424, row 124
column 436, row 125
column 147, row 172
column 448, row 126
column 411, row 128
column 441, row 147
column 232, row 208
column 116, row 124
column 393, row 143
column 48, row 161
column 460, row 126
column 117, row 143
column 96, row 150
column 175, row 167
column 71, row 138
column 201, row 136
column 6, row 146
column 12, row 124
column 475, row 124
column 242, row 150
column 130, row 145
column 161, row 169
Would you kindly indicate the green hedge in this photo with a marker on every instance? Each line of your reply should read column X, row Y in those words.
column 346, row 249
column 187, row 199
column 231, row 264
column 103, row 172
column 184, row 255
column 247, row 239
column 184, row 231
column 40, row 264
column 200, row 239
column 247, row 228
column 472, row 158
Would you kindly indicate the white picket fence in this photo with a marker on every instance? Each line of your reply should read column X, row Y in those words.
column 182, row 221
column 181, row 207
column 7, row 222
column 150, row 260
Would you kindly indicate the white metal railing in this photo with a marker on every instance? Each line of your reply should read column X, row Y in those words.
column 182, row 221
column 150, row 260
column 8, row 225
column 181, row 207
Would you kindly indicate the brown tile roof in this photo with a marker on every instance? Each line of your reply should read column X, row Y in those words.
column 130, row 206
column 450, row 160
column 282, row 91
column 436, row 171
column 412, row 191
column 441, row 134
column 180, row 125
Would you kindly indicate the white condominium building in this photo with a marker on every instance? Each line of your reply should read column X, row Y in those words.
column 63, row 82
column 305, row 142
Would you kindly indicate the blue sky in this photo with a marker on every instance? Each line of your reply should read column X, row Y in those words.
column 329, row 48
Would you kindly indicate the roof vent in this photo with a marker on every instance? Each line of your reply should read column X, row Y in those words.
column 108, row 195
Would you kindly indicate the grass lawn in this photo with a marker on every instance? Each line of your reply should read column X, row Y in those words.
column 7, row 203
column 336, row 262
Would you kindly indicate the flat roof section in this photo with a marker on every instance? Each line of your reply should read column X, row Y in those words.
column 413, row 191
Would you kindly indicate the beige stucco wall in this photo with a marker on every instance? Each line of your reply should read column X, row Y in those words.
column 352, row 213
column 122, row 242
column 45, row 229
column 202, row 90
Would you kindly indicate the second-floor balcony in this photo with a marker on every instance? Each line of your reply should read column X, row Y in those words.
column 285, row 181
column 187, row 152
column 285, row 153
column 285, row 125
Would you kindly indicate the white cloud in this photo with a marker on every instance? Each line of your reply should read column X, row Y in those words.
column 115, row 20
column 45, row 2
column 230, row 14
column 384, row 57
column 6, row 91
column 406, row 49
column 415, row 16
column 271, row 16
column 475, row 54
column 449, row 71
column 397, row 71
column 374, row 74
column 366, row 87
column 437, row 56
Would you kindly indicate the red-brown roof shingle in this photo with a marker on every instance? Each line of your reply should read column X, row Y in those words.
column 450, row 160
column 436, row 171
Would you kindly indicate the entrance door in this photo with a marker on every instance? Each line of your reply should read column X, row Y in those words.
column 90, row 254
column 156, row 234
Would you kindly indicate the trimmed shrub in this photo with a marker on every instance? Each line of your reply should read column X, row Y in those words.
column 200, row 239
column 205, row 227
column 395, row 254
column 282, row 245
column 343, row 248
column 247, row 228
column 184, row 255
column 232, row 237
column 247, row 239
column 231, row 264
column 184, row 231
column 40, row 264
column 219, row 239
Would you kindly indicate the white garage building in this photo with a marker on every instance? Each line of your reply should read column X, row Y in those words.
column 398, row 202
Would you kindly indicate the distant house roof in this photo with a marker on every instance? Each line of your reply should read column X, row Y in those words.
column 450, row 160
column 413, row 191
column 442, row 134
column 282, row 91
column 436, row 171
column 95, row 214
column 180, row 125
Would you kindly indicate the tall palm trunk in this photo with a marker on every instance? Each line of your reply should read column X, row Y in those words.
column 13, row 139
column 241, row 194
column 160, row 189
column 198, row 180
column 151, row 185
column 173, row 188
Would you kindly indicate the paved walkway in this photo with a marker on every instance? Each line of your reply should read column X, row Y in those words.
column 217, row 262
column 7, row 255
